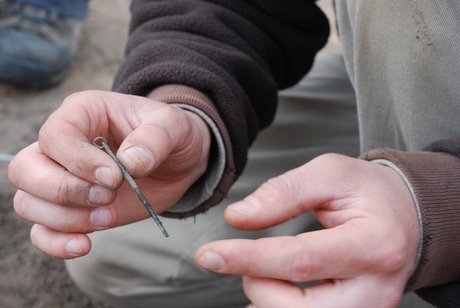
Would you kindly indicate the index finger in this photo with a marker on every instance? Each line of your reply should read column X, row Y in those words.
column 37, row 174
column 325, row 180
column 333, row 253
column 66, row 137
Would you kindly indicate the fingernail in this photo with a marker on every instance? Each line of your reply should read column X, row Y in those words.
column 104, row 175
column 211, row 261
column 138, row 156
column 73, row 248
column 99, row 195
column 247, row 207
column 100, row 217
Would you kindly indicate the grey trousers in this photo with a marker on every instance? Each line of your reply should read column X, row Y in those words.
column 135, row 266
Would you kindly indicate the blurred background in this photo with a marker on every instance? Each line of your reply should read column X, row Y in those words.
column 30, row 278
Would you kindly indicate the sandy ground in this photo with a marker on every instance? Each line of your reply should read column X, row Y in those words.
column 28, row 277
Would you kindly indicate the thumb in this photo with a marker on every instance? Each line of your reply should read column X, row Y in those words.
column 154, row 137
column 276, row 201
column 291, row 194
column 137, row 159
column 170, row 137
column 144, row 149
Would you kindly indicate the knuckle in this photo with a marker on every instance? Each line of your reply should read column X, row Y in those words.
column 282, row 186
column 268, row 192
column 13, row 174
column 81, row 96
column 19, row 204
column 332, row 163
column 162, row 134
column 301, row 269
column 178, row 114
column 178, row 120
column 283, row 189
column 393, row 256
column 16, row 168
column 62, row 194
column 389, row 254
column 67, row 190
column 46, row 137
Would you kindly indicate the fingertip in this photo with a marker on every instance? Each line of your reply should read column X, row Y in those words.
column 77, row 248
column 211, row 261
column 59, row 245
column 106, row 176
column 239, row 214
column 245, row 208
column 136, row 159
column 102, row 217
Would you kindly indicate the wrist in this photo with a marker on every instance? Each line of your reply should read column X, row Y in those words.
column 435, row 179
column 212, row 187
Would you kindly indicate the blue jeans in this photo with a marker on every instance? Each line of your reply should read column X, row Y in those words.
column 77, row 9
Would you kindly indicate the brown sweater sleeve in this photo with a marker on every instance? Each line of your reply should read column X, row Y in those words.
column 237, row 52
column 435, row 178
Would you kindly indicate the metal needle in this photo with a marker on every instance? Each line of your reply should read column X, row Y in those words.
column 101, row 143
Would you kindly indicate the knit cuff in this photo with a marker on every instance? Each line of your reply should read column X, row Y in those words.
column 210, row 189
column 435, row 179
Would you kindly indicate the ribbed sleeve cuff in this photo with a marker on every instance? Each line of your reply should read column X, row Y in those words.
column 435, row 179
column 220, row 175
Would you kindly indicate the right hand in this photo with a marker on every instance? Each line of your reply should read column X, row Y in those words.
column 68, row 187
column 364, row 256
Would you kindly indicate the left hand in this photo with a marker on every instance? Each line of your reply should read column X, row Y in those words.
column 68, row 188
column 363, row 258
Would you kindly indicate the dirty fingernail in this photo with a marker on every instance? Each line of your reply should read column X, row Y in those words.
column 73, row 248
column 99, row 195
column 100, row 217
column 139, row 156
column 211, row 261
column 104, row 175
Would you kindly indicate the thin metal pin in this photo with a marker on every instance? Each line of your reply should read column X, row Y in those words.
column 101, row 143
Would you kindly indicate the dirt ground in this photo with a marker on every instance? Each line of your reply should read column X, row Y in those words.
column 30, row 278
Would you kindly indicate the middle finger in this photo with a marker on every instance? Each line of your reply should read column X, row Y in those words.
column 44, row 178
column 61, row 218
column 324, row 254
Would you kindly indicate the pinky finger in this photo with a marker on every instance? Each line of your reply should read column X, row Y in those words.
column 58, row 244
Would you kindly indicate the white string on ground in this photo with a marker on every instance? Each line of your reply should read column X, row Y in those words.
column 6, row 157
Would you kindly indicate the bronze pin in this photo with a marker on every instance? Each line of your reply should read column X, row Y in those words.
column 101, row 143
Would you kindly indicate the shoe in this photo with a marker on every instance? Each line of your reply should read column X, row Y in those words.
column 36, row 45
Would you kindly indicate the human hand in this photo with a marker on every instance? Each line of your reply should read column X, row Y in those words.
column 68, row 187
column 363, row 258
